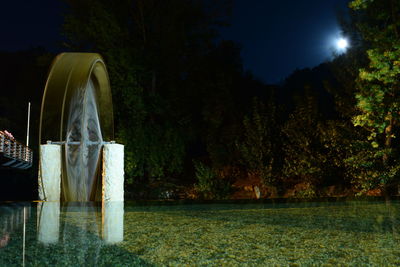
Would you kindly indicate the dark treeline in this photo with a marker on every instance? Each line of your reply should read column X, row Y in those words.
column 196, row 125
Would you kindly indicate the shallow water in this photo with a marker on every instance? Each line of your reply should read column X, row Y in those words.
column 118, row 234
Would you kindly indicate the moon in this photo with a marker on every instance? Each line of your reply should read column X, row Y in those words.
column 342, row 44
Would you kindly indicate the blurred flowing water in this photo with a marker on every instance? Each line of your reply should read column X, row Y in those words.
column 82, row 151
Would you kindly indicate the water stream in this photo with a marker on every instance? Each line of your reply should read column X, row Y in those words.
column 82, row 151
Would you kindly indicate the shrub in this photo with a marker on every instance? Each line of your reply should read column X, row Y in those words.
column 210, row 185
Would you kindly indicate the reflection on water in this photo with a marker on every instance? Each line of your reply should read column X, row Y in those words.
column 61, row 234
column 105, row 221
column 48, row 222
column 12, row 218
column 113, row 222
column 114, row 234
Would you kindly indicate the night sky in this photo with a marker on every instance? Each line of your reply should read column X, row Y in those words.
column 277, row 37
column 280, row 36
column 28, row 23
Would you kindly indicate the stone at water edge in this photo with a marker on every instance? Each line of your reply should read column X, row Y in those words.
column 257, row 192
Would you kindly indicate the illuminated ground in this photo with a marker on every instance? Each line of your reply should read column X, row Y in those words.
column 222, row 235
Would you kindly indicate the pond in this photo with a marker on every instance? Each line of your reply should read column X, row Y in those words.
column 258, row 234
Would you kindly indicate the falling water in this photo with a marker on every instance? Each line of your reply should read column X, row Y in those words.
column 82, row 151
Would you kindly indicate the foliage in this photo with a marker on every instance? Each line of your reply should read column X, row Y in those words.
column 181, row 97
column 378, row 97
column 306, row 193
column 150, row 48
column 366, row 167
column 316, row 141
column 256, row 148
column 358, row 4
column 220, row 123
column 209, row 185
column 378, row 94
column 303, row 158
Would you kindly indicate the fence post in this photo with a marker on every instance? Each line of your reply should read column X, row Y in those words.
column 20, row 157
column 2, row 143
column 15, row 150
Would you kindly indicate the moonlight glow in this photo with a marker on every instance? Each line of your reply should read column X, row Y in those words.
column 337, row 44
column 342, row 44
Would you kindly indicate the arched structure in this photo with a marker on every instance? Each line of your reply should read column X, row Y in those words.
column 77, row 113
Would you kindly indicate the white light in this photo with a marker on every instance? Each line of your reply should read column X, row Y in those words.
column 342, row 43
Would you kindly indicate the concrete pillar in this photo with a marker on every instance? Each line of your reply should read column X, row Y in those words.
column 50, row 172
column 113, row 172
column 48, row 214
column 113, row 221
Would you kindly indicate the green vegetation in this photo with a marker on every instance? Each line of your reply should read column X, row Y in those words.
column 209, row 185
column 378, row 93
column 257, row 145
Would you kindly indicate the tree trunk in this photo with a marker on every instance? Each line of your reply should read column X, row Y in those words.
column 388, row 140
column 395, row 18
column 391, row 187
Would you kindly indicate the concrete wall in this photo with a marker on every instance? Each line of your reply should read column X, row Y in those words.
column 50, row 172
column 113, row 172
column 50, row 169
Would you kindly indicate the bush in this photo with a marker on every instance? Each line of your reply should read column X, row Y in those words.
column 256, row 148
column 209, row 185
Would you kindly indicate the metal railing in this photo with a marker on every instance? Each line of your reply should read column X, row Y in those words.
column 19, row 155
column 78, row 142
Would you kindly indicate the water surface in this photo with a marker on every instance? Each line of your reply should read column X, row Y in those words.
column 118, row 234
